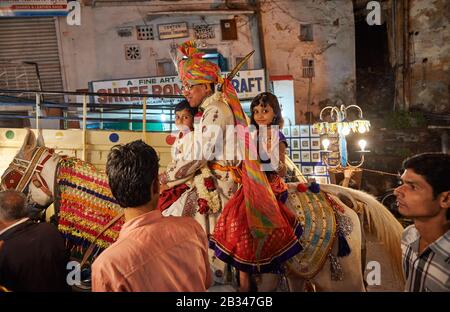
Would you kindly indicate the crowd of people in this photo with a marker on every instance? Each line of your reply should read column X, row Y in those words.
column 175, row 240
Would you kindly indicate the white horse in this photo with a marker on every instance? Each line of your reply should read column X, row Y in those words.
column 36, row 170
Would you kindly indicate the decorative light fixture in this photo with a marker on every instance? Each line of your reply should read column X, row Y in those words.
column 342, row 127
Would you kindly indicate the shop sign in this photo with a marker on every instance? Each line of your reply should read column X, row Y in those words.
column 174, row 30
column 248, row 84
column 33, row 8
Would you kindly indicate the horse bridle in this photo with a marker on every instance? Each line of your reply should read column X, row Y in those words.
column 28, row 171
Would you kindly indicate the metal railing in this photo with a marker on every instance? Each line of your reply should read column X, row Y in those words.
column 90, row 110
column 143, row 112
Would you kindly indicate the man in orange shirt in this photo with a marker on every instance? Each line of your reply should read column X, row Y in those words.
column 152, row 253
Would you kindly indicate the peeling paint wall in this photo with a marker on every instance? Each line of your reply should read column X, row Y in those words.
column 95, row 51
column 333, row 50
column 430, row 55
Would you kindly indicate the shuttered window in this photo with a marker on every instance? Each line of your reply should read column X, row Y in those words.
column 24, row 41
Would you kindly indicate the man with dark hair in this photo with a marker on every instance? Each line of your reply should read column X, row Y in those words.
column 33, row 256
column 152, row 253
column 424, row 197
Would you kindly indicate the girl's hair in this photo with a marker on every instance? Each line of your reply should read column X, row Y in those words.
column 264, row 99
column 184, row 104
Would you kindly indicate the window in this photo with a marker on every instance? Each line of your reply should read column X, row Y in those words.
column 165, row 67
column 308, row 68
column 306, row 32
column 145, row 32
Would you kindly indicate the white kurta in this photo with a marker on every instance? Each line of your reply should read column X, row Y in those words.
column 211, row 134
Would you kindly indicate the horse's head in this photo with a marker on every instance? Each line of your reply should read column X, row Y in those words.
column 32, row 171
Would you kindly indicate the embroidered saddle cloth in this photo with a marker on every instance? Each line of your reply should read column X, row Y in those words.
column 317, row 218
column 86, row 205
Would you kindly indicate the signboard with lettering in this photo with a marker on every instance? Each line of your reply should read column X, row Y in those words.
column 33, row 8
column 248, row 84
column 174, row 30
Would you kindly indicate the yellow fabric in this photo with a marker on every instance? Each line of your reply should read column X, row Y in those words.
column 236, row 172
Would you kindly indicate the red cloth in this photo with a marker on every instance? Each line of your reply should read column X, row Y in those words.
column 168, row 197
column 233, row 237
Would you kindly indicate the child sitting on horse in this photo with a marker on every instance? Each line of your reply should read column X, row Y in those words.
column 266, row 112
column 233, row 240
column 184, row 121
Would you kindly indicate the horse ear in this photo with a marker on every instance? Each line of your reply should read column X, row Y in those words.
column 29, row 144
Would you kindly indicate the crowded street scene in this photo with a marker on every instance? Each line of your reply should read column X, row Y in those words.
column 229, row 147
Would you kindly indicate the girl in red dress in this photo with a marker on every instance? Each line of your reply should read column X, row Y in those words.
column 232, row 240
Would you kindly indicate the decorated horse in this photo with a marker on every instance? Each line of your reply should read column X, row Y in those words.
column 90, row 219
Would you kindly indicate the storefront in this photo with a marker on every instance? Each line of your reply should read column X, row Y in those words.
column 160, row 115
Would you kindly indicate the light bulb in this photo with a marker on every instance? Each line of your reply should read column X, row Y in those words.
column 362, row 144
column 163, row 117
column 326, row 144
column 346, row 130
column 362, row 129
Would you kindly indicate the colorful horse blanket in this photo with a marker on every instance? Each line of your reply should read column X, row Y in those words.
column 322, row 220
column 85, row 205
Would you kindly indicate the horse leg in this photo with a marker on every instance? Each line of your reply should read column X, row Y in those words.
column 267, row 282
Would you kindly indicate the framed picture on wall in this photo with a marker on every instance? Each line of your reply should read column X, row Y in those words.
column 320, row 170
column 322, row 180
column 295, row 156
column 295, row 144
column 287, row 131
column 306, row 156
column 295, row 131
column 315, row 143
column 304, row 144
column 307, row 170
column 304, row 131
column 315, row 156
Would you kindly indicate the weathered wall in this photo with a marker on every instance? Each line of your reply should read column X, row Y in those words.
column 430, row 55
column 333, row 50
column 95, row 51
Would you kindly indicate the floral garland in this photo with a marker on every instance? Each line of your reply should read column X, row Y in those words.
column 208, row 197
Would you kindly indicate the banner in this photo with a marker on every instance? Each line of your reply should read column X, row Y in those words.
column 33, row 8
column 248, row 84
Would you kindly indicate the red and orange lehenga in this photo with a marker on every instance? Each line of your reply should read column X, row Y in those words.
column 233, row 242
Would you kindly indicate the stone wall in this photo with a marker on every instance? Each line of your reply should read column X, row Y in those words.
column 430, row 55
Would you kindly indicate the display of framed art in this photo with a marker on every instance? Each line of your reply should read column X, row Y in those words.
column 304, row 150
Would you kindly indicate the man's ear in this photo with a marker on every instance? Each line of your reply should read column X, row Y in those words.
column 444, row 200
column 208, row 87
